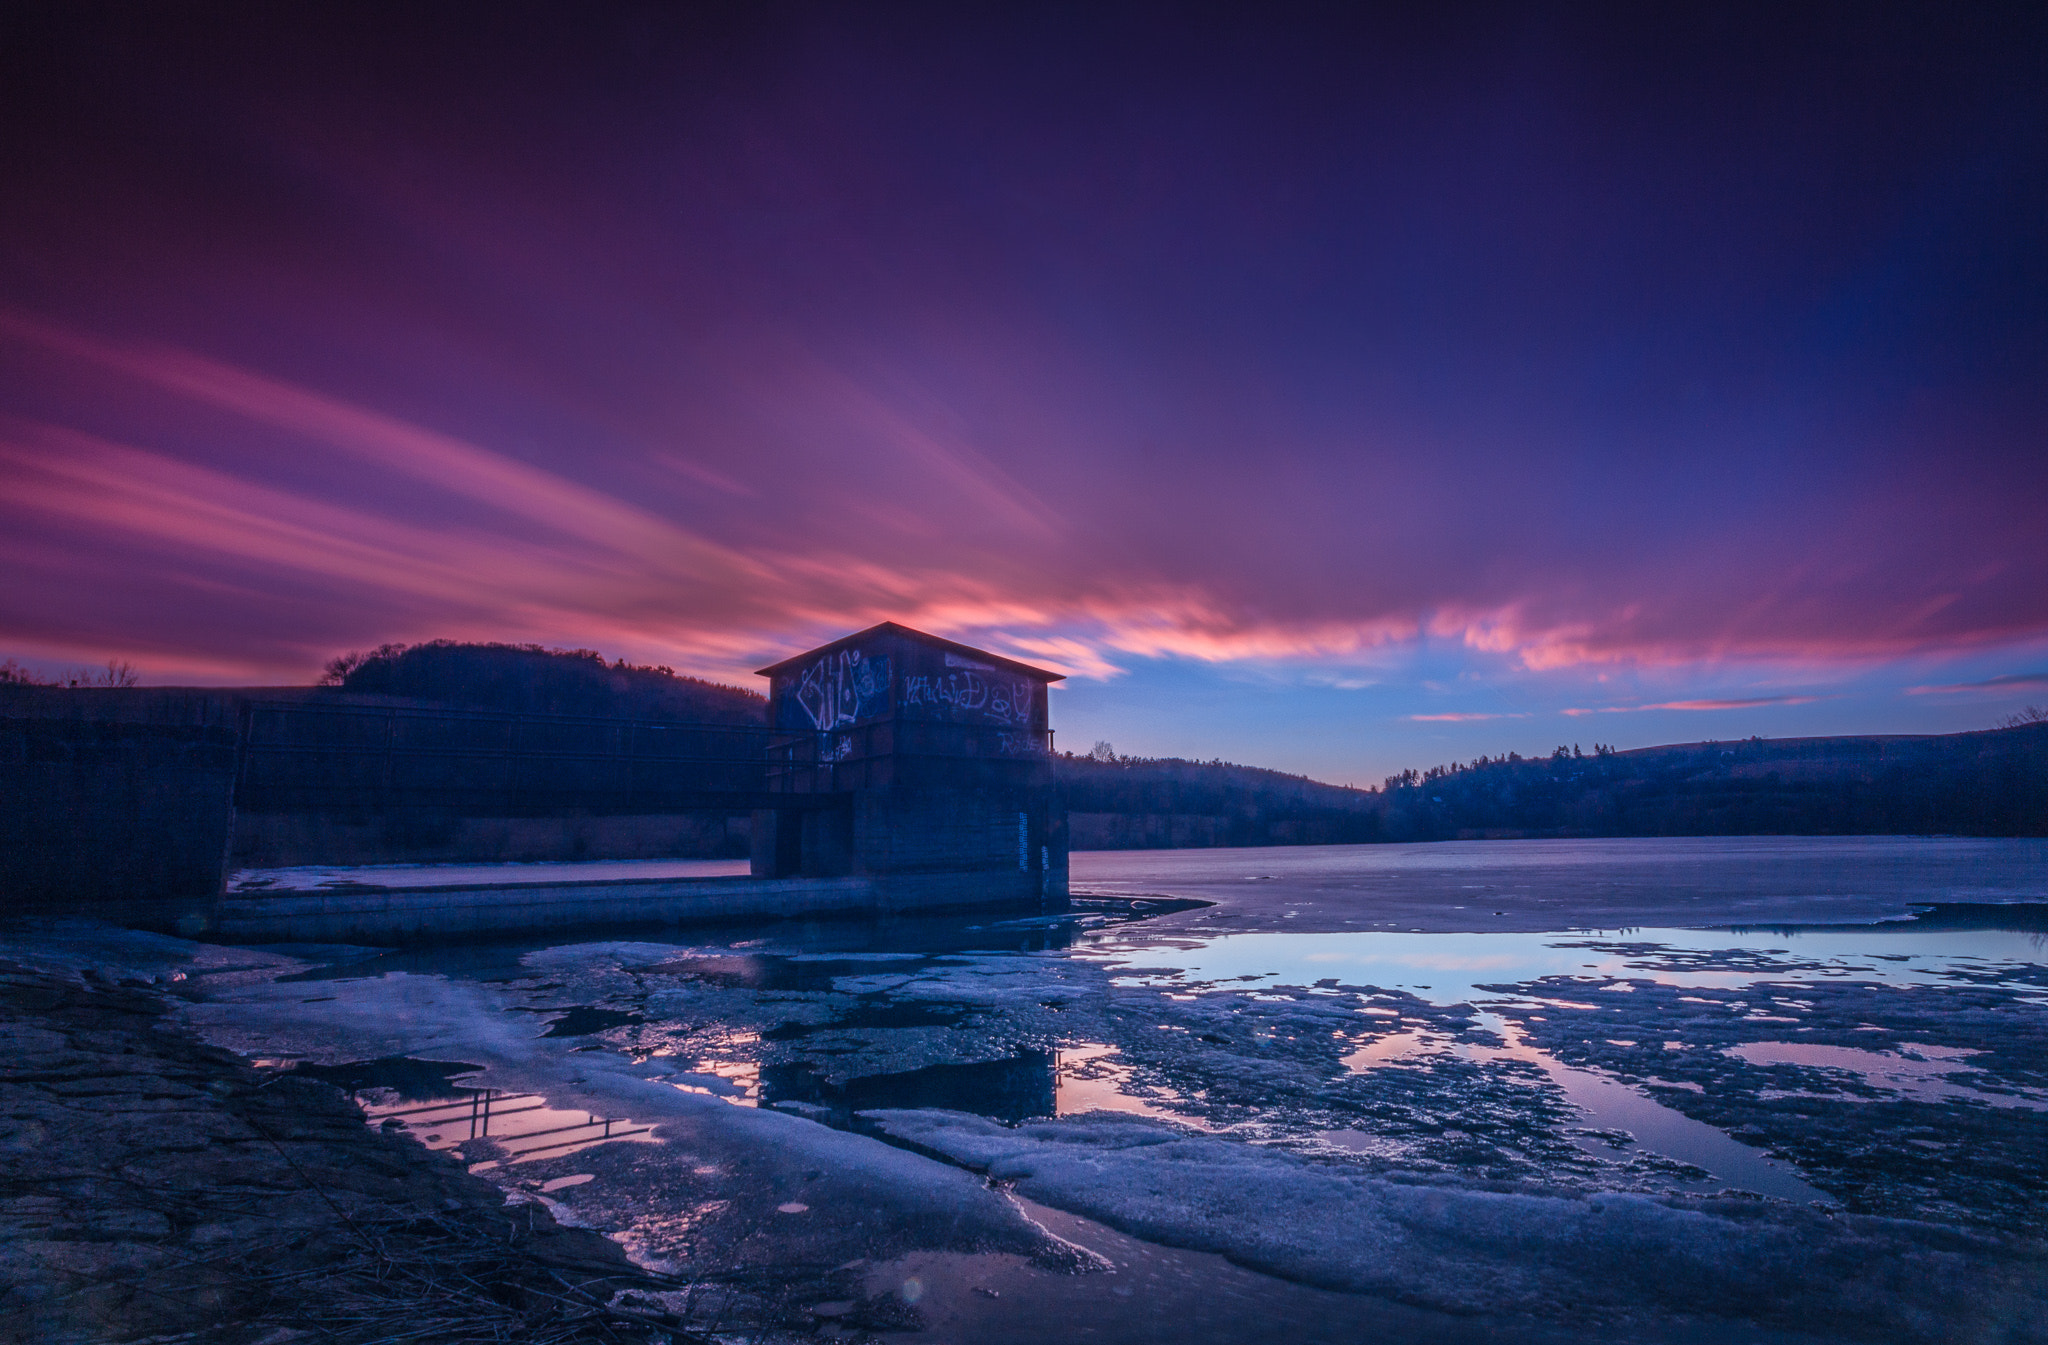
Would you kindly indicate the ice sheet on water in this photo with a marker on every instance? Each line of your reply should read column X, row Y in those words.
column 1583, row 884
column 988, row 980
column 1464, row 1249
column 312, row 878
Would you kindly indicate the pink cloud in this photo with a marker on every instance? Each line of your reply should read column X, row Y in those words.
column 860, row 499
column 2026, row 681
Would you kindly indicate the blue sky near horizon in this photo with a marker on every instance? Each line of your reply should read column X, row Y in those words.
column 1333, row 391
column 1346, row 728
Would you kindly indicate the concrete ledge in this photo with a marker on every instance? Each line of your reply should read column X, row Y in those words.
column 380, row 915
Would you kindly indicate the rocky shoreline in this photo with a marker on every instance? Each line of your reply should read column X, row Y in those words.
column 156, row 1188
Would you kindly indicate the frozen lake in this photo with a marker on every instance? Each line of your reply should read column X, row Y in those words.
column 1755, row 1089
column 1599, row 884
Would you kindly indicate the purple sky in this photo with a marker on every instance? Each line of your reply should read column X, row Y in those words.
column 1329, row 394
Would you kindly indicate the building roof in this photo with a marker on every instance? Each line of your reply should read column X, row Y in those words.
column 891, row 628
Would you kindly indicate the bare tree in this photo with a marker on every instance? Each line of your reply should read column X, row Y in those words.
column 117, row 673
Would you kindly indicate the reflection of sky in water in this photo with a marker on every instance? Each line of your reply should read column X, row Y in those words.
column 1610, row 1104
column 1089, row 1077
column 1916, row 1071
column 1449, row 968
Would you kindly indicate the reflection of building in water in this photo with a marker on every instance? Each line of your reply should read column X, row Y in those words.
column 918, row 763
column 1015, row 1089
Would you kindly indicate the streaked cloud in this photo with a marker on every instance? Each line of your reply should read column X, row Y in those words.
column 1460, row 717
column 551, row 557
column 2027, row 681
column 799, row 336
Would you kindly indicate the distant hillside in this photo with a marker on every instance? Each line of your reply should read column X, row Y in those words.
column 527, row 679
column 1993, row 783
column 1127, row 803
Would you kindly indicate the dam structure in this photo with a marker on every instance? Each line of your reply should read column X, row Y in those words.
column 897, row 773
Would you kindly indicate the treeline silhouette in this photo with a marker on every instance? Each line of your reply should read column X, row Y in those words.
column 1990, row 783
column 531, row 679
column 1171, row 802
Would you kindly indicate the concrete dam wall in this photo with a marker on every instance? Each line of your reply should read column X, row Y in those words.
column 899, row 772
column 129, row 822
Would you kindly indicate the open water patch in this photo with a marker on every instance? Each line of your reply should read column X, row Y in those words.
column 1917, row 1071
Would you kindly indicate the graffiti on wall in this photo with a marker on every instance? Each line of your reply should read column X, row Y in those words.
column 984, row 695
column 843, row 687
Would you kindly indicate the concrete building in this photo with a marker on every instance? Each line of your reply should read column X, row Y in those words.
column 920, row 764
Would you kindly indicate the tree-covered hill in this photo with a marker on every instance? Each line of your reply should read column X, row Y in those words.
column 1140, row 803
column 528, row 679
column 1992, row 783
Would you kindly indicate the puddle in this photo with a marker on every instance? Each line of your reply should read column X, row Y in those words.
column 1394, row 1046
column 583, row 1021
column 425, row 1098
column 1610, row 1104
column 1607, row 1105
column 734, row 1080
column 1921, row 1072
column 510, row 1127
column 1091, row 1078
column 1010, row 1090
column 1364, row 1142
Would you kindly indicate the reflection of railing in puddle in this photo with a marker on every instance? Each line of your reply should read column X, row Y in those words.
column 511, row 1122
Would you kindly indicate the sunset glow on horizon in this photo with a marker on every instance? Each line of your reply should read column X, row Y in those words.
column 1331, row 395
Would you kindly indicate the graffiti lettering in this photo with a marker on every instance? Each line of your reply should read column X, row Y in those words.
column 973, row 695
column 843, row 687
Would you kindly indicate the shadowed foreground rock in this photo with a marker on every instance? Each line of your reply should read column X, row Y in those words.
column 156, row 1188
